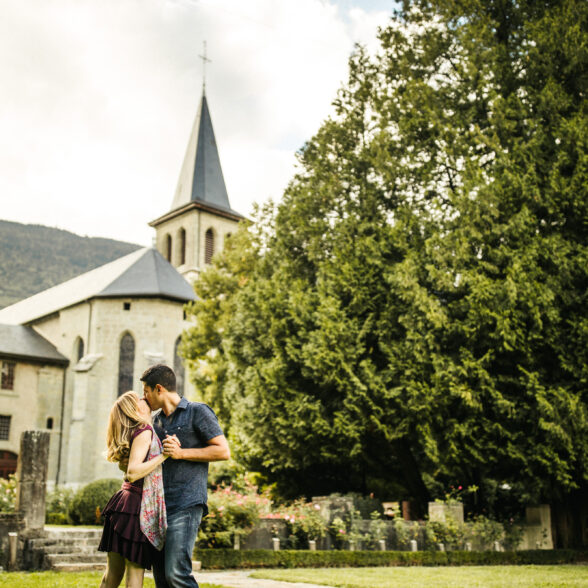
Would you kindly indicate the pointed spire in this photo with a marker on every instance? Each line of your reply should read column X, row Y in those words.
column 201, row 178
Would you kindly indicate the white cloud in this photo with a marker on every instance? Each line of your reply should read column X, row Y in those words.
column 99, row 97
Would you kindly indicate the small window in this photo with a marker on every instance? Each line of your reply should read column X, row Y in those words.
column 184, row 316
column 126, row 306
column 4, row 427
column 8, row 375
column 49, row 423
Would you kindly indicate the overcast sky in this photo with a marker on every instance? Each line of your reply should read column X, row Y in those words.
column 98, row 98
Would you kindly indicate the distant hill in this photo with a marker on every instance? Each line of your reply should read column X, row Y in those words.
column 34, row 258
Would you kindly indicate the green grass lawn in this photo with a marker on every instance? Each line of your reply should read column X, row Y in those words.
column 65, row 580
column 439, row 577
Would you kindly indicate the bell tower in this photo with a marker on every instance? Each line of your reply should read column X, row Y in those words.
column 201, row 217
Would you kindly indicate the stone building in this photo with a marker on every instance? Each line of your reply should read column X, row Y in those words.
column 69, row 351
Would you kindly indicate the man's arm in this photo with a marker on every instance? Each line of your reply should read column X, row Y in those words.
column 217, row 449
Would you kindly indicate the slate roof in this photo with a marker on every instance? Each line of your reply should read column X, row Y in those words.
column 20, row 342
column 143, row 273
column 201, row 178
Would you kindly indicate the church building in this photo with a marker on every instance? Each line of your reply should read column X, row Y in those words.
column 69, row 351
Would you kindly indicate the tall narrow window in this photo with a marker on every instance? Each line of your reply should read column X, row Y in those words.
column 8, row 368
column 168, row 247
column 126, row 363
column 79, row 349
column 181, row 247
column 179, row 368
column 208, row 245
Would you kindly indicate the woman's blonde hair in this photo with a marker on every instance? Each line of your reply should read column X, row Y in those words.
column 123, row 420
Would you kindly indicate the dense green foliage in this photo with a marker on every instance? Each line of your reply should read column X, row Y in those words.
column 88, row 502
column 214, row 559
column 57, row 505
column 34, row 257
column 8, row 490
column 413, row 315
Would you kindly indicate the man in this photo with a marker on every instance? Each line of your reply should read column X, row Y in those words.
column 192, row 437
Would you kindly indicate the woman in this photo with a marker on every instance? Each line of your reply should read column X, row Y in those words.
column 127, row 521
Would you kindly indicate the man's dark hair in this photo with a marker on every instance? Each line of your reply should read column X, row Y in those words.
column 160, row 374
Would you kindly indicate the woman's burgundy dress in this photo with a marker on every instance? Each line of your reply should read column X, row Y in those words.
column 122, row 530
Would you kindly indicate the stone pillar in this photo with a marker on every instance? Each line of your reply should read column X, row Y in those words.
column 413, row 545
column 32, row 478
column 276, row 543
column 312, row 544
column 382, row 543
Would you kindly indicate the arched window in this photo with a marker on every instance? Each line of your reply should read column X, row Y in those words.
column 179, row 368
column 168, row 247
column 79, row 349
column 49, row 424
column 126, row 363
column 208, row 245
column 181, row 247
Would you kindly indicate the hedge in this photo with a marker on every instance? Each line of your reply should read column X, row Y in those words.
column 217, row 559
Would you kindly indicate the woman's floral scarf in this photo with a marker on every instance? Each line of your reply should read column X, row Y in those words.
column 153, row 516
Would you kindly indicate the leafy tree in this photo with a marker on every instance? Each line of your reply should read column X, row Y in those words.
column 416, row 316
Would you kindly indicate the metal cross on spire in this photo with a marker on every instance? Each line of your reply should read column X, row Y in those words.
column 204, row 60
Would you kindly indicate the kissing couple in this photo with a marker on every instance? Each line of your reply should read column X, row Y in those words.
column 153, row 520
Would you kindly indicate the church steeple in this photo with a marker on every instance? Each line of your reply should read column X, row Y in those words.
column 200, row 219
column 201, row 178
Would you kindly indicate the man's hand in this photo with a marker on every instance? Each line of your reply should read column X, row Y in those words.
column 123, row 464
column 171, row 447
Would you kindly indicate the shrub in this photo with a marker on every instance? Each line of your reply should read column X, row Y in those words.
column 8, row 489
column 231, row 513
column 484, row 532
column 88, row 502
column 263, row 558
column 303, row 523
column 57, row 506
column 338, row 533
column 451, row 533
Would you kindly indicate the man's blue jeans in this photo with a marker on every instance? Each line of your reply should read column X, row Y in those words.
column 172, row 568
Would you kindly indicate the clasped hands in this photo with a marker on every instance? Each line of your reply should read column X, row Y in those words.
column 172, row 447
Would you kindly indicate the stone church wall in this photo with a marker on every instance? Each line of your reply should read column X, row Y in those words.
column 155, row 325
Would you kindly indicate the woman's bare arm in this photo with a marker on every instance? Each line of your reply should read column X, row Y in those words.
column 138, row 468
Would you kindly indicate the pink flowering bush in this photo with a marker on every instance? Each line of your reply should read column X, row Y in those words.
column 304, row 523
column 231, row 513
column 8, row 489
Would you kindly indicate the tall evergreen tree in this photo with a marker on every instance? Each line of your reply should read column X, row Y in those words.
column 417, row 317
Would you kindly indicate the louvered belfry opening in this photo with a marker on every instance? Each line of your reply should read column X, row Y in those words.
column 168, row 247
column 208, row 246
column 182, row 247
column 126, row 363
